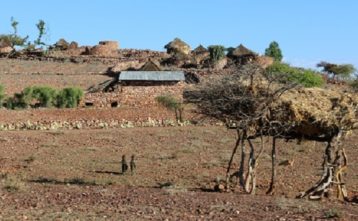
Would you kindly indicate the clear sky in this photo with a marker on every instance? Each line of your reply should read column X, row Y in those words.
column 307, row 31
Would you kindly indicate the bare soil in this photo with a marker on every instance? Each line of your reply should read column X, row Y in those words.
column 75, row 174
column 69, row 175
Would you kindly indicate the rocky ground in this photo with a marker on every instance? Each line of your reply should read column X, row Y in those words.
column 63, row 164
column 74, row 174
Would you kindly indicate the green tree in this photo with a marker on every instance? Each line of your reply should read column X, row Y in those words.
column 285, row 73
column 217, row 52
column 274, row 51
column 336, row 70
column 41, row 27
column 14, row 24
column 14, row 39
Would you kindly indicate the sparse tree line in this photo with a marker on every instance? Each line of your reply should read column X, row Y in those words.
column 42, row 96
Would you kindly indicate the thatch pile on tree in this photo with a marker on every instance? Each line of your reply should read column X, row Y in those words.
column 258, row 104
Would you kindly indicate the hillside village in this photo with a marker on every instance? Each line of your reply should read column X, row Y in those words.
column 194, row 64
column 153, row 93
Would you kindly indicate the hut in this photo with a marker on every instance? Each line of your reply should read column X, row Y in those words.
column 200, row 54
column 242, row 55
column 178, row 46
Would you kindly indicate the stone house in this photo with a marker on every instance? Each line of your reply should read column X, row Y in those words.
column 138, row 88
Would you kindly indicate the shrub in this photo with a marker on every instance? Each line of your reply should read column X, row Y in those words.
column 69, row 97
column 173, row 104
column 2, row 95
column 19, row 100
column 305, row 77
column 217, row 52
column 44, row 95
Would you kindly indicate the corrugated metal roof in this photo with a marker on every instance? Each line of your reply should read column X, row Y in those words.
column 151, row 76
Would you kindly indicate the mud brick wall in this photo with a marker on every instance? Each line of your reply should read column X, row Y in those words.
column 138, row 95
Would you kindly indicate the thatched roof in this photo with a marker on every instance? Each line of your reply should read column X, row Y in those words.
column 177, row 45
column 242, row 51
column 151, row 66
column 316, row 111
column 309, row 113
column 199, row 50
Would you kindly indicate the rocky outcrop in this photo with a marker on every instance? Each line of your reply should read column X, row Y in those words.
column 105, row 49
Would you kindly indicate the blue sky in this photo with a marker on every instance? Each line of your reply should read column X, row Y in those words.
column 308, row 31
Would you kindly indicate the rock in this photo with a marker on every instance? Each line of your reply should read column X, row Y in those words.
column 219, row 65
column 125, row 65
column 73, row 45
column 6, row 50
column 264, row 61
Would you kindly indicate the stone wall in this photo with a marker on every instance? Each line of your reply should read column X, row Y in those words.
column 134, row 94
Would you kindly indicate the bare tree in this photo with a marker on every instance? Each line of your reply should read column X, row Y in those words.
column 245, row 101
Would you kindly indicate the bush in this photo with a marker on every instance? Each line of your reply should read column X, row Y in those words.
column 2, row 95
column 46, row 96
column 217, row 52
column 305, row 77
column 173, row 104
column 69, row 97
column 19, row 100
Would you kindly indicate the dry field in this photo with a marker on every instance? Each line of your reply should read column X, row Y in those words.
column 69, row 175
column 15, row 75
column 75, row 174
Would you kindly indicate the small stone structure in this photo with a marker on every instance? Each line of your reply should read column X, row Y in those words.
column 200, row 54
column 139, row 88
column 105, row 49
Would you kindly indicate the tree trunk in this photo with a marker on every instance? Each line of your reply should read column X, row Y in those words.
column 241, row 171
column 232, row 158
column 273, row 169
column 251, row 169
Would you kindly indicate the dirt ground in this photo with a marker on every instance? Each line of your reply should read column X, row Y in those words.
column 75, row 175
column 15, row 75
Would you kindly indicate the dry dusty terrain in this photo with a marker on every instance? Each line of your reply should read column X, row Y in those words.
column 15, row 74
column 74, row 174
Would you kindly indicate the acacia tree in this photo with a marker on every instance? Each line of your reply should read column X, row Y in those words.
column 274, row 51
column 243, row 100
column 336, row 70
column 249, row 100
